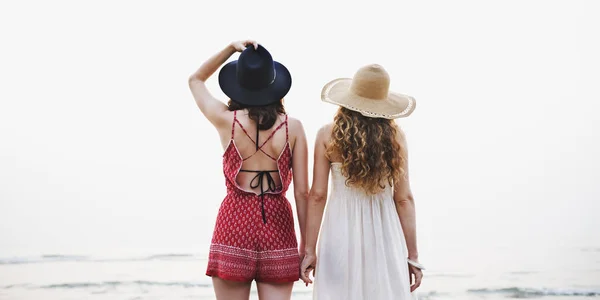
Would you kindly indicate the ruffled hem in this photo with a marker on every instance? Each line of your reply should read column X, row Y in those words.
column 238, row 264
column 224, row 276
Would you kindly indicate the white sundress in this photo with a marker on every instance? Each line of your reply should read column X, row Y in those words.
column 361, row 252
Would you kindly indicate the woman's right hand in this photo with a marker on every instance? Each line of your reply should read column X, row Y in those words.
column 309, row 263
column 240, row 46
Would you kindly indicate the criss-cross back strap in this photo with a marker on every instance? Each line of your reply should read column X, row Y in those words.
column 233, row 123
column 236, row 121
column 259, row 147
column 287, row 139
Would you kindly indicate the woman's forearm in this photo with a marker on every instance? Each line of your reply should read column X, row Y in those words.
column 407, row 215
column 301, row 208
column 316, row 206
column 213, row 63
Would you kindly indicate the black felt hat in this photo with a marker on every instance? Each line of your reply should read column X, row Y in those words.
column 255, row 79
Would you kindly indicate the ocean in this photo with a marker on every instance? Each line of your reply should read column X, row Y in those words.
column 557, row 273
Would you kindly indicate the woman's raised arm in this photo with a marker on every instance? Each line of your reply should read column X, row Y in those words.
column 211, row 107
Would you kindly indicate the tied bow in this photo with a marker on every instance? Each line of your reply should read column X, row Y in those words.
column 258, row 181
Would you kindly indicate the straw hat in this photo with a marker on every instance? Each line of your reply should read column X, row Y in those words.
column 368, row 93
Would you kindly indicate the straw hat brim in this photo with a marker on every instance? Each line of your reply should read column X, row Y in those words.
column 394, row 106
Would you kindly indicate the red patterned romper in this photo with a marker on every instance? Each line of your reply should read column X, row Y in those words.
column 254, row 236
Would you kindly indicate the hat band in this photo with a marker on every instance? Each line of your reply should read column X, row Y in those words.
column 274, row 76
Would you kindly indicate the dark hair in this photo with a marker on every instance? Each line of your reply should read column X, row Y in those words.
column 264, row 116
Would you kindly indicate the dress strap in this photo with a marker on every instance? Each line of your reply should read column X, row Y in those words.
column 259, row 147
column 272, row 134
column 233, row 124
column 286, row 128
column 235, row 120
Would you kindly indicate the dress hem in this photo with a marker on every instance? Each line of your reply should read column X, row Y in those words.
column 245, row 279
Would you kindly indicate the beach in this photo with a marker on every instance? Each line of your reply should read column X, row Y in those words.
column 181, row 276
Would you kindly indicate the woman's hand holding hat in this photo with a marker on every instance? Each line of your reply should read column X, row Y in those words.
column 240, row 46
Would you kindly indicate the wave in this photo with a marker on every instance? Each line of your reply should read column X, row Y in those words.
column 512, row 292
column 79, row 258
column 61, row 257
column 590, row 249
column 111, row 284
column 42, row 258
column 515, row 292
column 450, row 275
column 172, row 256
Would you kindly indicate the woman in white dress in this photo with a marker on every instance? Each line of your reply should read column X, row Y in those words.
column 367, row 246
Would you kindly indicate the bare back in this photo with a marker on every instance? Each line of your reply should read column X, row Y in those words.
column 260, row 152
column 247, row 147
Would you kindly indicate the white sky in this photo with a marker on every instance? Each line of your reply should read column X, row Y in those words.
column 102, row 148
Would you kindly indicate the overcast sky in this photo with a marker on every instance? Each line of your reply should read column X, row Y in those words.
column 102, row 149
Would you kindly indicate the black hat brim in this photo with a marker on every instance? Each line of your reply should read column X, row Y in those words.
column 268, row 95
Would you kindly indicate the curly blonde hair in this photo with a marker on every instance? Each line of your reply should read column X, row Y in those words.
column 371, row 156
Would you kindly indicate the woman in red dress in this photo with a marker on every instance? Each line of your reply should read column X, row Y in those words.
column 254, row 237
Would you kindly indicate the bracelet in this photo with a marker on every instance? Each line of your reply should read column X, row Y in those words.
column 415, row 264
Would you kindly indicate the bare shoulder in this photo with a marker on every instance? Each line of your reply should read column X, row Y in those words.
column 327, row 128
column 324, row 133
column 296, row 130
column 400, row 136
column 223, row 120
column 295, row 125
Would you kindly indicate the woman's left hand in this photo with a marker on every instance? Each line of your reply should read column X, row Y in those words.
column 416, row 275
column 240, row 46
